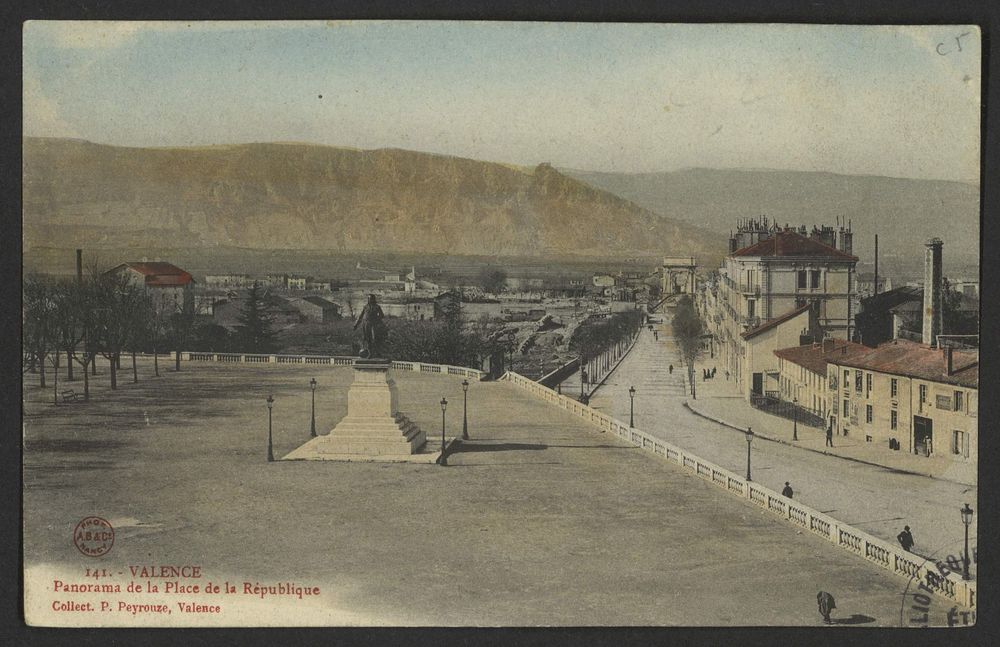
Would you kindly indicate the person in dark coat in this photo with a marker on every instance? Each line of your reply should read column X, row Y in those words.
column 671, row 369
column 826, row 605
column 787, row 491
column 829, row 435
column 905, row 539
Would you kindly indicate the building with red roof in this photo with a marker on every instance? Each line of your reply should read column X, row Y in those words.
column 802, row 374
column 767, row 284
column 169, row 285
column 924, row 400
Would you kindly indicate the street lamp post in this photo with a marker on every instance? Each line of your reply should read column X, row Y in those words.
column 795, row 418
column 967, row 520
column 270, row 445
column 312, row 426
column 444, row 459
column 631, row 406
column 465, row 409
column 749, row 435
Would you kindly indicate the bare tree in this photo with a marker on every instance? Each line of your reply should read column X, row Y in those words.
column 38, row 311
column 688, row 328
column 117, row 297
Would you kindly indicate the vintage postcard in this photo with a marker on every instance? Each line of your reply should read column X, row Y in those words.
column 376, row 323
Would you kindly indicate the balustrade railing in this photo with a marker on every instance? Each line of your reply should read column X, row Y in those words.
column 327, row 360
column 876, row 551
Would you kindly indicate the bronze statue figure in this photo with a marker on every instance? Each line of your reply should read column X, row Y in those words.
column 373, row 331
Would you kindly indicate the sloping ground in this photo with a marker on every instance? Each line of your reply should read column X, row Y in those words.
column 540, row 519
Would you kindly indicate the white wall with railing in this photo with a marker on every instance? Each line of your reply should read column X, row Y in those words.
column 875, row 550
column 326, row 360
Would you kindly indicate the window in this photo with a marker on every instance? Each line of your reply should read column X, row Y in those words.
column 814, row 279
column 868, row 413
column 893, row 419
column 923, row 393
column 893, row 388
column 751, row 307
column 802, row 279
column 868, row 385
column 847, row 379
column 846, row 409
column 960, row 443
column 958, row 401
column 857, row 381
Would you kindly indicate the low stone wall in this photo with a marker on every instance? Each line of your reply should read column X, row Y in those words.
column 875, row 550
column 560, row 374
column 327, row 360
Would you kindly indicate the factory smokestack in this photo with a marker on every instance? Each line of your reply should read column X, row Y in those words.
column 875, row 289
column 932, row 293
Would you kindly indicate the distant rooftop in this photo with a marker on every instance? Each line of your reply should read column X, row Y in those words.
column 159, row 274
column 912, row 359
column 772, row 323
column 813, row 357
column 789, row 243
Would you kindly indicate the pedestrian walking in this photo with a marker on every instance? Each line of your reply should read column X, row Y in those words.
column 787, row 491
column 671, row 369
column 727, row 376
column 905, row 539
column 713, row 371
column 829, row 436
column 826, row 605
column 656, row 335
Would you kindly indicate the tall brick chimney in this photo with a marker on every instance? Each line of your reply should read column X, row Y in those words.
column 932, row 293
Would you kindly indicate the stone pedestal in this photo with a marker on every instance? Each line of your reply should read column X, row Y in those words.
column 373, row 425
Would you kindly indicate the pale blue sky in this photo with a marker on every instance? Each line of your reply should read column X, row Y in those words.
column 898, row 101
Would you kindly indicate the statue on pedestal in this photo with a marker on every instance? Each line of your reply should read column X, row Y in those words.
column 373, row 329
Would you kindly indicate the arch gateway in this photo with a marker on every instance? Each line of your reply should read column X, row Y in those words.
column 678, row 275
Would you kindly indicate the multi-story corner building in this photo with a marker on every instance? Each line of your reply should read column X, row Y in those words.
column 802, row 373
column 908, row 396
column 760, row 285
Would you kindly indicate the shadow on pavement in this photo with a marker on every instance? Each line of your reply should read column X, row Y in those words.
column 465, row 447
column 856, row 619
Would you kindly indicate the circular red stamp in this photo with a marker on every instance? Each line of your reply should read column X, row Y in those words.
column 93, row 536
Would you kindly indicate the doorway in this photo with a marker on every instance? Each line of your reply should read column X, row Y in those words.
column 923, row 435
column 758, row 384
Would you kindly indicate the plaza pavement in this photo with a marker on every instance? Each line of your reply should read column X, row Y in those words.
column 878, row 500
column 541, row 519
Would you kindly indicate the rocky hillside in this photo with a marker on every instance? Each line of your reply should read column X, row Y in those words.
column 301, row 196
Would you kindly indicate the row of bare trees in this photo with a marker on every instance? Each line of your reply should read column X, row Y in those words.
column 100, row 315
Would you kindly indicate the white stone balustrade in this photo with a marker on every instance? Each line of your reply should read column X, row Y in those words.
column 893, row 558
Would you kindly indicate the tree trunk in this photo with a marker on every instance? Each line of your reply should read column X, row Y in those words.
column 118, row 361
column 86, row 383
column 55, row 382
column 114, row 373
column 69, row 365
column 41, row 368
column 135, row 372
column 177, row 361
column 93, row 365
column 156, row 362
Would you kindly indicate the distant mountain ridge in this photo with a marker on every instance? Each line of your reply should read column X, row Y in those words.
column 305, row 196
column 904, row 212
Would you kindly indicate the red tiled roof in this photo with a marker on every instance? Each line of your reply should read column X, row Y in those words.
column 772, row 323
column 814, row 358
column 904, row 357
column 789, row 243
column 159, row 274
